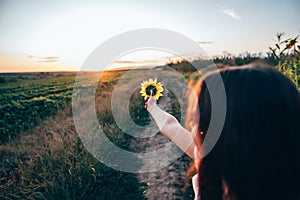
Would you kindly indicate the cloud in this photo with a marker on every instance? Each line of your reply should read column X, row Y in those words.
column 231, row 13
column 47, row 59
column 205, row 42
column 124, row 62
column 138, row 62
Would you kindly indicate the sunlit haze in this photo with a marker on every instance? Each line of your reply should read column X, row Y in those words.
column 59, row 35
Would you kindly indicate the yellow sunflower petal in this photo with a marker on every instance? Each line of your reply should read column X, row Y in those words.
column 156, row 87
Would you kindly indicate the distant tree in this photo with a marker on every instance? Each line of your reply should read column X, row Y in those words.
column 181, row 65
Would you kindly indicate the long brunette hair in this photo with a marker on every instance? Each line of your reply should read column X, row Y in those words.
column 258, row 153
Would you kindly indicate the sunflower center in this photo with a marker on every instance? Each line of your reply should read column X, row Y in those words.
column 151, row 88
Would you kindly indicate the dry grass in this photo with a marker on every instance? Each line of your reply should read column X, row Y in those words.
column 53, row 164
column 50, row 162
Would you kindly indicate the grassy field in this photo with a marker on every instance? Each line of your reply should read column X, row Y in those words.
column 27, row 99
column 42, row 156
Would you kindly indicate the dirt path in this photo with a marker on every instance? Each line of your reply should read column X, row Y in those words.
column 171, row 181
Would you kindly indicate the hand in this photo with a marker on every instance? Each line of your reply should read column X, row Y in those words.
column 149, row 102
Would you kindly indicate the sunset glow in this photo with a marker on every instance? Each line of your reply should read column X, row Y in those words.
column 44, row 36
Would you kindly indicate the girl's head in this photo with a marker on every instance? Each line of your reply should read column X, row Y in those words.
column 258, row 153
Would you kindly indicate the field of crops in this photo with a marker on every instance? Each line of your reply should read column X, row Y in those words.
column 42, row 156
column 23, row 104
column 27, row 100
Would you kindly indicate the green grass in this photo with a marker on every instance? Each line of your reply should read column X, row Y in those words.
column 43, row 157
column 53, row 164
column 25, row 103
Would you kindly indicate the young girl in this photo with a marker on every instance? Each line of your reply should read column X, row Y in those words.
column 258, row 153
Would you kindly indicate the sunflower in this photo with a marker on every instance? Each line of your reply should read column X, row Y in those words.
column 151, row 88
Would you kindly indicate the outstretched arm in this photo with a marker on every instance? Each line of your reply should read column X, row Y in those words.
column 171, row 128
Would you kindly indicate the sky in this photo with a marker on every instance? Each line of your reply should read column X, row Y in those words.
column 58, row 35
